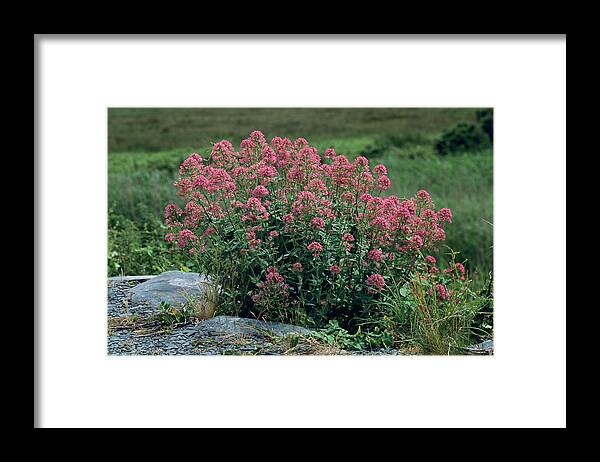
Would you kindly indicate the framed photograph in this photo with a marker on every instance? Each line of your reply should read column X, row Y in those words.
column 299, row 226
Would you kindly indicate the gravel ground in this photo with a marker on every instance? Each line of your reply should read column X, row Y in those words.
column 119, row 300
column 131, row 332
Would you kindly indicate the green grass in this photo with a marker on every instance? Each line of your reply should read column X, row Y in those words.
column 153, row 130
column 147, row 145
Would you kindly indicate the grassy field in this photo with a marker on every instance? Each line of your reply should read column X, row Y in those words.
column 146, row 146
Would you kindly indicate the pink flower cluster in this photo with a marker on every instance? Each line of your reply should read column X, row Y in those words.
column 457, row 268
column 271, row 292
column 375, row 281
column 375, row 255
column 444, row 285
column 315, row 248
column 442, row 291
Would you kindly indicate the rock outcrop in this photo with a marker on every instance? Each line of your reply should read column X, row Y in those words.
column 231, row 325
column 173, row 287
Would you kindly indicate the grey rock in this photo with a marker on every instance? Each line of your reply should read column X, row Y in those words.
column 231, row 325
column 485, row 347
column 130, row 278
column 173, row 287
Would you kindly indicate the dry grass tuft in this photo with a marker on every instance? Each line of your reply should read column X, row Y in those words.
column 206, row 306
column 301, row 345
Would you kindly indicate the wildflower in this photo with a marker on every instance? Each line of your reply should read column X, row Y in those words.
column 257, row 136
column 329, row 153
column 428, row 214
column 439, row 234
column 193, row 162
column 445, row 215
column 184, row 237
column 375, row 255
column 317, row 185
column 417, row 240
column 365, row 197
column 300, row 143
column 380, row 169
column 315, row 247
column 458, row 267
column 430, row 259
column 297, row 266
column 209, row 230
column 273, row 275
column 268, row 172
column 424, row 196
column 384, row 183
column 362, row 161
column 260, row 191
column 256, row 210
column 272, row 290
column 171, row 212
column 317, row 222
column 376, row 280
column 334, row 269
column 222, row 153
column 381, row 222
column 442, row 291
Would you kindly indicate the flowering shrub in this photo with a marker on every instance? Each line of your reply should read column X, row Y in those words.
column 295, row 236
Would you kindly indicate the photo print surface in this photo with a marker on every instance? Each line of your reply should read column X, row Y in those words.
column 300, row 231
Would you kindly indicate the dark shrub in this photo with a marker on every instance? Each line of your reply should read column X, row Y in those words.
column 406, row 145
column 379, row 147
column 485, row 117
column 463, row 137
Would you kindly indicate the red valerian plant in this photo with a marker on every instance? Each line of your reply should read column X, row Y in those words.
column 295, row 236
